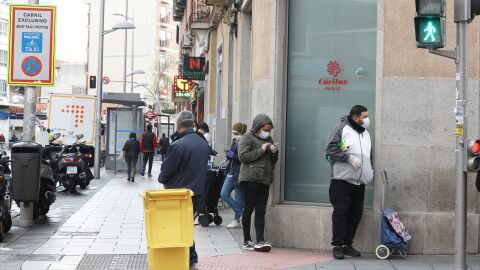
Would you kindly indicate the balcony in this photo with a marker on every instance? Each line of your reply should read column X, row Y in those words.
column 200, row 17
column 164, row 19
column 164, row 43
column 179, row 9
column 216, row 2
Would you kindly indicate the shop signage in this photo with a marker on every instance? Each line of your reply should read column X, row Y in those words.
column 150, row 115
column 194, row 68
column 333, row 83
column 181, row 89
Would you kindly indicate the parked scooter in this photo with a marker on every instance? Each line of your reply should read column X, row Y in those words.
column 72, row 170
column 47, row 191
column 5, row 199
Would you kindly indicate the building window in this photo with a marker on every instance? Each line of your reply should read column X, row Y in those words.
column 3, row 88
column 3, row 27
column 164, row 62
column 331, row 67
column 164, row 15
column 3, row 58
column 165, row 38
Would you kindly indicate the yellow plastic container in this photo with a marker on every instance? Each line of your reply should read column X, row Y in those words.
column 168, row 227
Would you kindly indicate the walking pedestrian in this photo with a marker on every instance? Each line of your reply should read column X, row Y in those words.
column 148, row 143
column 349, row 149
column 185, row 165
column 14, row 138
column 205, row 131
column 164, row 144
column 233, row 173
column 258, row 155
column 132, row 151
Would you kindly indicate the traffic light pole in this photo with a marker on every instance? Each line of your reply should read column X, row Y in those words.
column 461, row 174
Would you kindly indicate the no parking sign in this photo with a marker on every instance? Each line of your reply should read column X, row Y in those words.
column 31, row 59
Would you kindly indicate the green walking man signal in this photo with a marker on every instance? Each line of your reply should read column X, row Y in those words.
column 430, row 24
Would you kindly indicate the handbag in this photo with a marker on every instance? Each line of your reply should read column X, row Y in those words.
column 122, row 155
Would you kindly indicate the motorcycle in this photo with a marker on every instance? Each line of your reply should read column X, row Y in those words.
column 72, row 170
column 47, row 191
column 5, row 199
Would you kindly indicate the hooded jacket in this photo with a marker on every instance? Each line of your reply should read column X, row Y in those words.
column 257, row 165
column 349, row 139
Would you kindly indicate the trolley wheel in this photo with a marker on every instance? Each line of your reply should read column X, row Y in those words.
column 210, row 218
column 382, row 252
column 217, row 220
column 203, row 220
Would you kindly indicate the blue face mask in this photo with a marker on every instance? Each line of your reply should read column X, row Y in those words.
column 264, row 135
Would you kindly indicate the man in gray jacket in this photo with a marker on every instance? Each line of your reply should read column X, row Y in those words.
column 349, row 149
column 258, row 155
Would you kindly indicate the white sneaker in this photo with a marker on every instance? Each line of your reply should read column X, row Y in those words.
column 249, row 245
column 234, row 224
column 263, row 246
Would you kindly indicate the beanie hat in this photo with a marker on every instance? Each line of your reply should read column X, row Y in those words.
column 240, row 128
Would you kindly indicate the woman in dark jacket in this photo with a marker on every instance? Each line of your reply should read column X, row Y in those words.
column 233, row 172
column 132, row 150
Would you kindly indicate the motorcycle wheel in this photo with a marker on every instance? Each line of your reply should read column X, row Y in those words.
column 1, row 230
column 83, row 186
column 7, row 225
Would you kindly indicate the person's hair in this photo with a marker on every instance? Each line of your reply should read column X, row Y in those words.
column 132, row 135
column 48, row 130
column 358, row 110
column 149, row 127
column 186, row 124
column 163, row 134
column 203, row 126
column 185, row 119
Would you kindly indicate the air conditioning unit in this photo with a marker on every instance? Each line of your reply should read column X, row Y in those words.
column 187, row 40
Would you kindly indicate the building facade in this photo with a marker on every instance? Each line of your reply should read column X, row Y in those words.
column 306, row 63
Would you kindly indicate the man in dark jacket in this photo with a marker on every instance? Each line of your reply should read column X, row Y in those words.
column 164, row 144
column 258, row 155
column 132, row 150
column 148, row 143
column 186, row 165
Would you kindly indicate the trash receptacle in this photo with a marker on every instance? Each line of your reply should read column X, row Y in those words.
column 26, row 158
column 168, row 227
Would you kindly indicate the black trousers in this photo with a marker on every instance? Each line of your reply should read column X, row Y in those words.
column 255, row 197
column 347, row 200
column 147, row 157
column 132, row 166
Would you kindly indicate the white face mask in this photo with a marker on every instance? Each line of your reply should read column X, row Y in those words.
column 366, row 122
column 264, row 135
column 236, row 136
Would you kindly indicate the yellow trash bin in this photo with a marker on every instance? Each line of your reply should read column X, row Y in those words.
column 169, row 228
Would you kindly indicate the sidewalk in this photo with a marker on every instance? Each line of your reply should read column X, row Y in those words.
column 102, row 228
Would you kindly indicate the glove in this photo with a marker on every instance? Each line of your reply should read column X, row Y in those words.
column 355, row 162
column 273, row 148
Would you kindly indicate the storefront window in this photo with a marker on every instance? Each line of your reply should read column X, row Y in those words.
column 331, row 67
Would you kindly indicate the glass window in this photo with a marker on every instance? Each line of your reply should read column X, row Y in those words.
column 331, row 67
column 3, row 58
column 3, row 88
column 3, row 27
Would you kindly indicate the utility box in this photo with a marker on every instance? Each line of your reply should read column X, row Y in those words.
column 26, row 158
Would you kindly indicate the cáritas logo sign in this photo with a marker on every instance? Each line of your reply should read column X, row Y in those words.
column 333, row 84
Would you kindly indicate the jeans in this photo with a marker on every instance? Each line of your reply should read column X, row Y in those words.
column 237, row 203
column 132, row 166
column 193, row 253
column 255, row 196
column 347, row 200
column 147, row 157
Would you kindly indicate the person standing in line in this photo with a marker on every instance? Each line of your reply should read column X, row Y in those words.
column 132, row 151
column 2, row 141
column 164, row 144
column 233, row 173
column 148, row 143
column 349, row 149
column 50, row 135
column 258, row 155
column 185, row 165
column 205, row 130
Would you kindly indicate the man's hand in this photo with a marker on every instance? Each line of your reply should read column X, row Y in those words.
column 274, row 148
column 355, row 162
column 265, row 146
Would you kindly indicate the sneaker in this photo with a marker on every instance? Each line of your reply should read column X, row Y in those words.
column 350, row 251
column 263, row 246
column 193, row 266
column 150, row 175
column 133, row 180
column 249, row 245
column 234, row 224
column 338, row 252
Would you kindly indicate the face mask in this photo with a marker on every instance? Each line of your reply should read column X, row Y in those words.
column 264, row 135
column 366, row 122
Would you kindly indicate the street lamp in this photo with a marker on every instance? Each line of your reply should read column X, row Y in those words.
column 134, row 72
column 145, row 85
column 125, row 49
column 98, row 114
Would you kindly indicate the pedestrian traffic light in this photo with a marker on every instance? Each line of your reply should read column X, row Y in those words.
column 93, row 82
column 472, row 155
column 430, row 24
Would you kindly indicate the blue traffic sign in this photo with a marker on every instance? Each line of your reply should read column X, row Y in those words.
column 32, row 42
